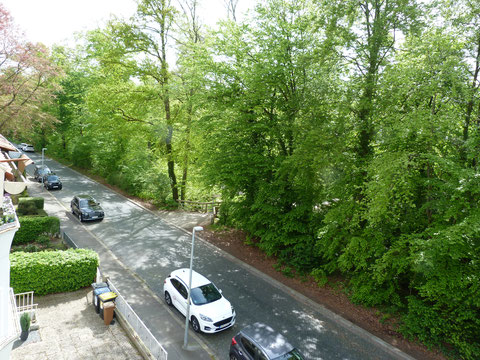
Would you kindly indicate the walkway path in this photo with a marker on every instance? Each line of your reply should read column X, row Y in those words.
column 70, row 329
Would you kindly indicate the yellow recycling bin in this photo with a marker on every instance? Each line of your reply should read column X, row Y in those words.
column 107, row 306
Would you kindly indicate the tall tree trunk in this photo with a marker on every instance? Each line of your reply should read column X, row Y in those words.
column 166, row 101
column 168, row 144
column 470, row 105
column 183, row 188
column 365, row 111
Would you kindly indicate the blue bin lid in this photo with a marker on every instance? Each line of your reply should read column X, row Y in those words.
column 99, row 285
column 101, row 290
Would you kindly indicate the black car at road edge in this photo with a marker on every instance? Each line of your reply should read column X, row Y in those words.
column 52, row 181
column 86, row 208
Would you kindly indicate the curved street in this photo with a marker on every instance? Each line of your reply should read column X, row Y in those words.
column 152, row 248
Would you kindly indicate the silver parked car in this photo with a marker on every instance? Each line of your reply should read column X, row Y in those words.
column 260, row 341
column 28, row 148
column 40, row 172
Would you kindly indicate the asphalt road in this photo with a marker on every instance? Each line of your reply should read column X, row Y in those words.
column 153, row 248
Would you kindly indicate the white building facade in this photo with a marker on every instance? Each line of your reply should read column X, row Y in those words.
column 9, row 319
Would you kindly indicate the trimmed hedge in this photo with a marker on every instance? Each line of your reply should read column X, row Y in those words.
column 30, row 205
column 33, row 226
column 37, row 201
column 27, row 208
column 48, row 272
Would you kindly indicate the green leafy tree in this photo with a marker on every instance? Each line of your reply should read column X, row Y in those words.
column 263, row 92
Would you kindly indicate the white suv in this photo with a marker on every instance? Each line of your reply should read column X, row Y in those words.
column 210, row 312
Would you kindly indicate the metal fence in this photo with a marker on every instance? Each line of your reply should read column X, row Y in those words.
column 25, row 303
column 200, row 206
column 69, row 241
column 157, row 350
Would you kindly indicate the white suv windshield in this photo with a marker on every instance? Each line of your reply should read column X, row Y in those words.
column 205, row 294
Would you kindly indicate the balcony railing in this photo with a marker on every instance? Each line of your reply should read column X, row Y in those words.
column 25, row 303
column 13, row 322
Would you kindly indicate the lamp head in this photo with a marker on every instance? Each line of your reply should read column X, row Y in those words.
column 198, row 228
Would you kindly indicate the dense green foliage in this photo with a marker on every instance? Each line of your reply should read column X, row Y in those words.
column 50, row 272
column 29, row 205
column 342, row 135
column 33, row 227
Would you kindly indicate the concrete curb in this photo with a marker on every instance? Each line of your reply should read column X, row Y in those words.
column 395, row 352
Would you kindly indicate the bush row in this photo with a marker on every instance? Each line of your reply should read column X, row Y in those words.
column 31, row 227
column 30, row 205
column 48, row 272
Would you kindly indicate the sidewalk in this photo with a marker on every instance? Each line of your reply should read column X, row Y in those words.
column 69, row 328
column 160, row 320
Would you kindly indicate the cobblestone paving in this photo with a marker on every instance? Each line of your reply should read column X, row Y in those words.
column 71, row 329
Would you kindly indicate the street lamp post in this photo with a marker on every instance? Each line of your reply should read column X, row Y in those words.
column 185, row 340
column 43, row 152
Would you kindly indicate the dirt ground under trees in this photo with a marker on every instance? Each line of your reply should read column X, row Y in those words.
column 331, row 296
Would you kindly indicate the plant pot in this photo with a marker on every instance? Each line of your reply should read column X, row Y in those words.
column 24, row 335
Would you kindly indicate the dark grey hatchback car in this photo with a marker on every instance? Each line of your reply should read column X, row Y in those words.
column 52, row 181
column 261, row 342
column 86, row 208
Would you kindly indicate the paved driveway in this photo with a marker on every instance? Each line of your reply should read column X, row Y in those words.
column 152, row 249
column 70, row 329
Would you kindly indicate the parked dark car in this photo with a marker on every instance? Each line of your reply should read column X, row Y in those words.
column 52, row 181
column 260, row 341
column 86, row 208
column 40, row 172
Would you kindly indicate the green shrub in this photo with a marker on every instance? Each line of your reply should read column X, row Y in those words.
column 32, row 248
column 37, row 201
column 48, row 272
column 16, row 248
column 41, row 212
column 25, row 321
column 27, row 208
column 43, row 240
column 33, row 226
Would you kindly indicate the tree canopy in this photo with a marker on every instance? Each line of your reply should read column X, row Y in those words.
column 342, row 136
column 27, row 77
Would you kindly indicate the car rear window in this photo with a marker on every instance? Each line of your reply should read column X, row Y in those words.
column 292, row 355
column 205, row 294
